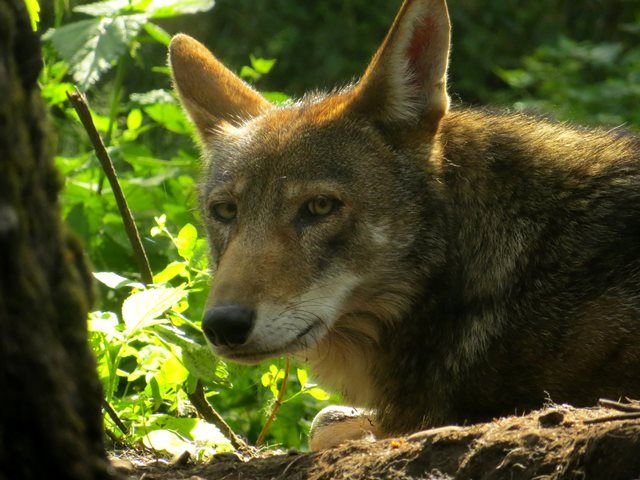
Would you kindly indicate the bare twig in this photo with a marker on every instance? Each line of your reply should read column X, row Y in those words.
column 114, row 416
column 613, row 418
column 276, row 405
column 623, row 407
column 82, row 108
column 206, row 411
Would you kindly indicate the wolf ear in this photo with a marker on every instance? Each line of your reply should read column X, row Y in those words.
column 210, row 93
column 406, row 80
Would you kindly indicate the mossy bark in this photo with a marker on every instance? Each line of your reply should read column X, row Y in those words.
column 50, row 421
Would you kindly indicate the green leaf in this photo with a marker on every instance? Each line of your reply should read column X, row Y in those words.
column 167, row 441
column 266, row 379
column 141, row 308
column 208, row 434
column 172, row 372
column 134, row 119
column 200, row 361
column 104, row 322
column 262, row 65
column 276, row 97
column 172, row 8
column 317, row 393
column 170, row 116
column 158, row 33
column 103, row 9
column 302, row 376
column 33, row 9
column 249, row 73
column 92, row 47
column 186, row 241
column 170, row 271
column 113, row 280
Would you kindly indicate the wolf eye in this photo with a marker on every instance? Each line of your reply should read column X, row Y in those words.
column 224, row 211
column 321, row 206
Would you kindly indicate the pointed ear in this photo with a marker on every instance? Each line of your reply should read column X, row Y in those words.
column 406, row 80
column 210, row 93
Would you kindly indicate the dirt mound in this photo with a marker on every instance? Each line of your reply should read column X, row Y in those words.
column 559, row 442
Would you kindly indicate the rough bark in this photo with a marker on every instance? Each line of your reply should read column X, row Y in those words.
column 50, row 422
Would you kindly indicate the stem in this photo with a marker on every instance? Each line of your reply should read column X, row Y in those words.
column 114, row 416
column 80, row 104
column 276, row 405
column 206, row 411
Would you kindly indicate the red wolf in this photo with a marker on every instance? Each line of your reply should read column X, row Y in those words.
column 434, row 265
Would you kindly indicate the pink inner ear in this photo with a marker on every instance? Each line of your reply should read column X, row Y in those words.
column 421, row 40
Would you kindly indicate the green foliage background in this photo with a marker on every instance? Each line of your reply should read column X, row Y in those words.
column 572, row 60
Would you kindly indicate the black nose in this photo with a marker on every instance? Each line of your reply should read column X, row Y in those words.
column 228, row 324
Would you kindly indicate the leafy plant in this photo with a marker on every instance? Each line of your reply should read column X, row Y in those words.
column 150, row 352
column 91, row 47
column 595, row 83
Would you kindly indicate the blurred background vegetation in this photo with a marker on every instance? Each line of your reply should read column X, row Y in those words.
column 572, row 60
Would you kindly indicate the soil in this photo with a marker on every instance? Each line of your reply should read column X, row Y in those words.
column 558, row 442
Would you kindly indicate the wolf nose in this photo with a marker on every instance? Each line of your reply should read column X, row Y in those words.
column 228, row 324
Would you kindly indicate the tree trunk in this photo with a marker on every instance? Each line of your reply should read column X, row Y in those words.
column 50, row 421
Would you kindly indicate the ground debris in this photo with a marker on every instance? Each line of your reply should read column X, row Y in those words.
column 558, row 442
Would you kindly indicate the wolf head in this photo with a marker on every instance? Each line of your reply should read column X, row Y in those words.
column 315, row 210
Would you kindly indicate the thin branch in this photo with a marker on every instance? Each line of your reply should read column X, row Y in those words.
column 623, row 407
column 614, row 418
column 114, row 416
column 206, row 411
column 276, row 405
column 82, row 108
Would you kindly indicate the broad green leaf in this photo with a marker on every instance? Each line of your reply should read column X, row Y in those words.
column 262, row 65
column 134, row 119
column 169, row 272
column 113, row 280
column 172, row 372
column 200, row 361
column 104, row 322
column 249, row 73
column 174, row 336
column 186, row 241
column 142, row 307
column 103, row 9
column 276, row 97
column 302, row 376
column 33, row 9
column 318, row 393
column 170, row 116
column 208, row 434
column 168, row 441
column 91, row 47
column 172, row 8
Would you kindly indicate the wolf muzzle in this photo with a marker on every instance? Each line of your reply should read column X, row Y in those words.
column 228, row 324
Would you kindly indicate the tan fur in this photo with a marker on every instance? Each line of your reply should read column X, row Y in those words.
column 210, row 92
column 474, row 263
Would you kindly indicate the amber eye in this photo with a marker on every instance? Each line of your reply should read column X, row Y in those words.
column 224, row 211
column 321, row 206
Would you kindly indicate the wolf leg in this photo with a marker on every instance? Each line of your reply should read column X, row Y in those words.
column 336, row 424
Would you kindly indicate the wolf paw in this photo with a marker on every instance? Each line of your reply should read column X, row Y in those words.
column 336, row 424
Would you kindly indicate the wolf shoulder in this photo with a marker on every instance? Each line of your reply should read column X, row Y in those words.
column 510, row 156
